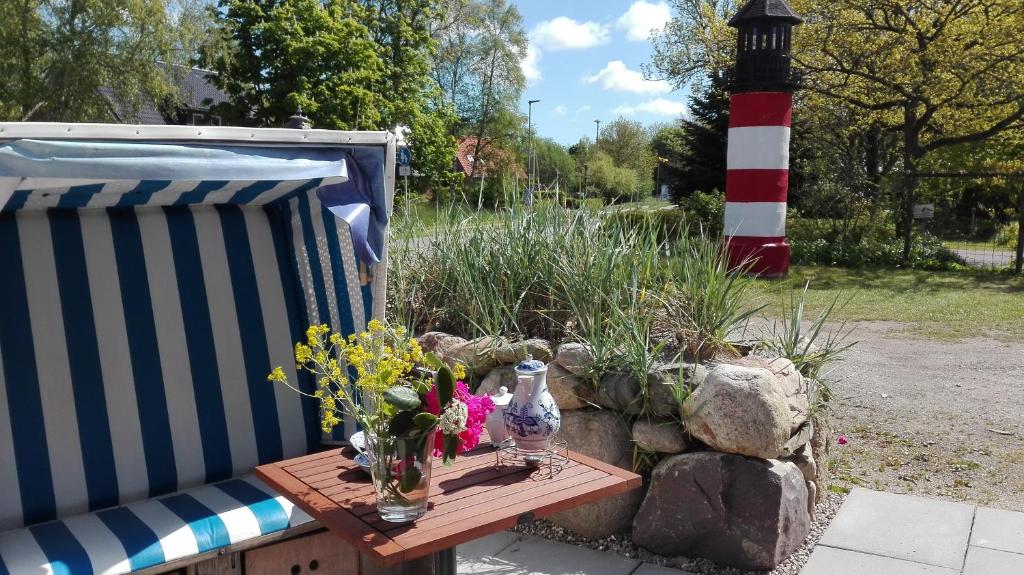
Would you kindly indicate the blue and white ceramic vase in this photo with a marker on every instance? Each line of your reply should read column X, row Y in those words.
column 532, row 417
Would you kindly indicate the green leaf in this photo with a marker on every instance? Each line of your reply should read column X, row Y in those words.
column 400, row 423
column 432, row 361
column 404, row 398
column 410, row 479
column 424, row 420
column 445, row 386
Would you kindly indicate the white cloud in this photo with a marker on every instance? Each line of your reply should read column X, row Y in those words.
column 530, row 65
column 655, row 107
column 583, row 108
column 616, row 76
column 564, row 33
column 642, row 18
column 560, row 110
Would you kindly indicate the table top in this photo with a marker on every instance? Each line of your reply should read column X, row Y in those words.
column 470, row 499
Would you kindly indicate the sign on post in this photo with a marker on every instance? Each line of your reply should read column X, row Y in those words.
column 924, row 211
column 404, row 156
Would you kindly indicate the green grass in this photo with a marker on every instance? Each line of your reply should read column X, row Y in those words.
column 941, row 305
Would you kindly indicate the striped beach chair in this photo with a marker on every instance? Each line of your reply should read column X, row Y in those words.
column 150, row 279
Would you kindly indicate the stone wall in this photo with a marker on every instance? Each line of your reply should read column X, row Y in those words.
column 737, row 483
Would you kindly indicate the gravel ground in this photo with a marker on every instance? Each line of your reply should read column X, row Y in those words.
column 942, row 419
column 623, row 545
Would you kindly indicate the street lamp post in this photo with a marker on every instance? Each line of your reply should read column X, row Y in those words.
column 529, row 154
column 597, row 136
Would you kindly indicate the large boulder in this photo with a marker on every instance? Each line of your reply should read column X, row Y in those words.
column 602, row 435
column 661, row 381
column 478, row 355
column 660, row 436
column 511, row 353
column 794, row 386
column 569, row 391
column 737, row 511
column 439, row 342
column 740, row 410
column 621, row 392
column 496, row 378
column 575, row 357
column 804, row 460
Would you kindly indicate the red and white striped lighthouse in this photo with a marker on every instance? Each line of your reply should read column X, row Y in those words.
column 760, row 117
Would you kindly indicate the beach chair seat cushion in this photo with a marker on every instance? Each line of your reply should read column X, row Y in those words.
column 149, row 532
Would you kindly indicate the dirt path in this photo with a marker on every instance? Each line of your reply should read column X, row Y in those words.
column 936, row 418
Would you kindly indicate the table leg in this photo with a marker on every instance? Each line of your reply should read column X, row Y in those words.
column 444, row 562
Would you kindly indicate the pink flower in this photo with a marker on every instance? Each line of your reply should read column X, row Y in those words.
column 478, row 406
column 842, row 440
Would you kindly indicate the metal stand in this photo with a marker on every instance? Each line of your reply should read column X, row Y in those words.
column 552, row 460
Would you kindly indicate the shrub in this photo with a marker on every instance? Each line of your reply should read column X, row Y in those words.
column 705, row 212
column 927, row 252
column 1008, row 234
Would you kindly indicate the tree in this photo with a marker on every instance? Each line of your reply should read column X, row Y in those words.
column 555, row 165
column 277, row 56
column 71, row 60
column 402, row 30
column 499, row 78
column 669, row 146
column 938, row 73
column 348, row 64
column 628, row 143
column 613, row 183
column 479, row 46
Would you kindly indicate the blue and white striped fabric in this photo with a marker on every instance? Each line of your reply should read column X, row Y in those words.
column 150, row 532
column 135, row 343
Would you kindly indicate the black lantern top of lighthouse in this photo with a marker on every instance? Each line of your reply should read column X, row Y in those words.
column 762, row 52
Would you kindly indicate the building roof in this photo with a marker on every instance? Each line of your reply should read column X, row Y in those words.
column 492, row 158
column 194, row 91
column 765, row 9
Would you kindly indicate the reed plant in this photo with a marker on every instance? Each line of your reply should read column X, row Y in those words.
column 561, row 275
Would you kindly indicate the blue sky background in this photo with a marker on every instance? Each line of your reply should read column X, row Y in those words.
column 584, row 64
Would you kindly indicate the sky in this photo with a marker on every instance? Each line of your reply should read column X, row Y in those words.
column 584, row 64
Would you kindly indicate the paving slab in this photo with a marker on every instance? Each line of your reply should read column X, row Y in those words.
column 982, row 561
column 832, row 561
column 998, row 529
column 486, row 546
column 536, row 556
column 902, row 527
column 648, row 569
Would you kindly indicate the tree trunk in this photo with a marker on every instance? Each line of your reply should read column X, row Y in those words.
column 1019, row 264
column 872, row 160
column 911, row 153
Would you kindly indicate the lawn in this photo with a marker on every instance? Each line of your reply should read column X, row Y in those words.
column 942, row 305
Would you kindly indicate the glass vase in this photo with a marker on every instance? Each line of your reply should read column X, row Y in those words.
column 400, row 467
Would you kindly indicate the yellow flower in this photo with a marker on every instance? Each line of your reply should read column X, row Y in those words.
column 303, row 353
column 459, row 371
column 375, row 326
column 277, row 375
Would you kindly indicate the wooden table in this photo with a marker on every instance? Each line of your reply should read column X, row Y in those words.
column 468, row 500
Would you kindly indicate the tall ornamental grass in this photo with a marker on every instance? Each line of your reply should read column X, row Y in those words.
column 563, row 275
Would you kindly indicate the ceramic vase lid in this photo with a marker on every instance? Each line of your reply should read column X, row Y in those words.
column 501, row 398
column 530, row 366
